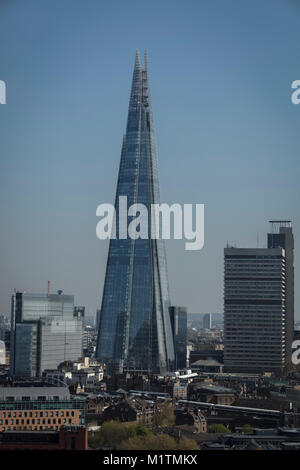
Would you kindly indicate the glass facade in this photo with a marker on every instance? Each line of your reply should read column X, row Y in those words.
column 134, row 324
column 45, row 332
column 179, row 327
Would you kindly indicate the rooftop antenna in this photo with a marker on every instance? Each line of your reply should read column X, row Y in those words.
column 257, row 240
column 48, row 288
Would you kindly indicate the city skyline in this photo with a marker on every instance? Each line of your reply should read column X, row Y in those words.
column 221, row 86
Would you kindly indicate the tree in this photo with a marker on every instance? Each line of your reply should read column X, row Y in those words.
column 248, row 429
column 142, row 430
column 217, row 428
column 164, row 415
column 187, row 444
column 159, row 442
column 114, row 432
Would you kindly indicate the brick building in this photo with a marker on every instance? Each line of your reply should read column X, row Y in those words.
column 39, row 408
column 191, row 417
column 66, row 438
column 129, row 411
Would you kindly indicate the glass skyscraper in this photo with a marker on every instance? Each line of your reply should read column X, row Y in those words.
column 134, row 324
column 45, row 331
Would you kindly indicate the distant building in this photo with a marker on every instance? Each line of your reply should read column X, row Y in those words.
column 39, row 408
column 98, row 313
column 207, row 321
column 87, row 337
column 45, row 331
column 79, row 312
column 5, row 332
column 2, row 353
column 178, row 317
column 4, row 327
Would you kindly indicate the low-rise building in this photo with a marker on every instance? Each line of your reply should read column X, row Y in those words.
column 207, row 365
column 39, row 408
column 192, row 417
column 212, row 394
column 66, row 438
column 129, row 411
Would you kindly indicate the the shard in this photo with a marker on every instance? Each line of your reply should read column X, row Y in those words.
column 135, row 331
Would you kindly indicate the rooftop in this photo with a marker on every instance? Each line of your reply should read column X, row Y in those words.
column 206, row 362
column 18, row 393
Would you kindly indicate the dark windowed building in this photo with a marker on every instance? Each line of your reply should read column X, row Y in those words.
column 259, row 304
column 207, row 321
column 179, row 327
column 254, row 310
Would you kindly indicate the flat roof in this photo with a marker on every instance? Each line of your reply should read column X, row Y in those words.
column 34, row 392
column 206, row 362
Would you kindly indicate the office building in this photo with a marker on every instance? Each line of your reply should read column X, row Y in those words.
column 178, row 317
column 254, row 309
column 5, row 331
column 98, row 312
column 4, row 327
column 207, row 321
column 135, row 331
column 281, row 236
column 2, row 353
column 39, row 408
column 87, row 337
column 79, row 312
column 45, row 331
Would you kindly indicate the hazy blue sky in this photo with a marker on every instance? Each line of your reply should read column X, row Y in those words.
column 227, row 132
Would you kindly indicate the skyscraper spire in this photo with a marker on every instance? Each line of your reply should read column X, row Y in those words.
column 137, row 64
column 134, row 328
column 146, row 60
